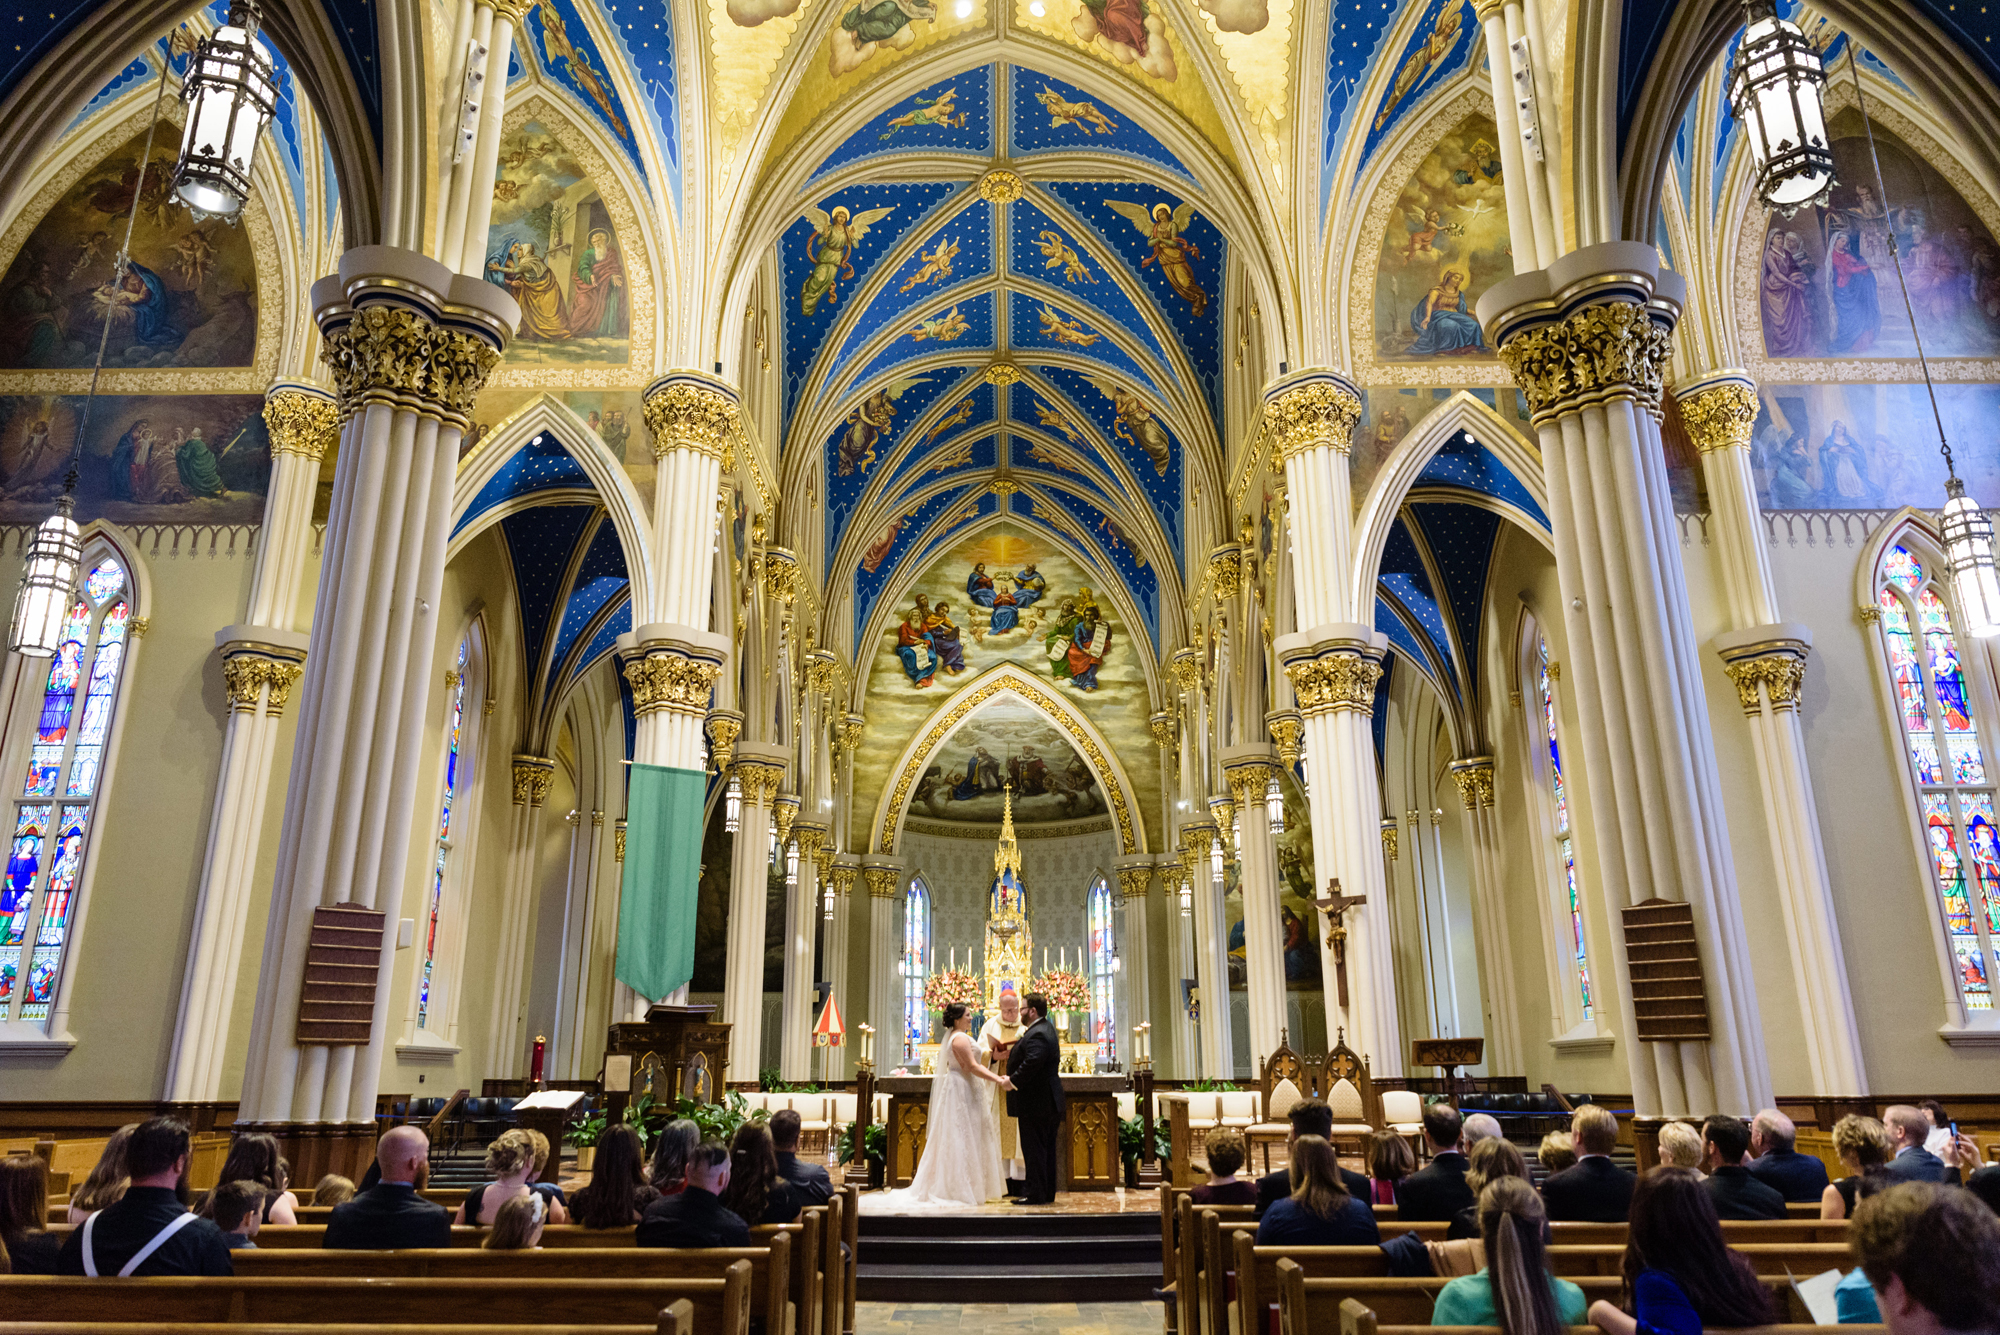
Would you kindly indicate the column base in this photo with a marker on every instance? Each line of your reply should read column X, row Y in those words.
column 318, row 1148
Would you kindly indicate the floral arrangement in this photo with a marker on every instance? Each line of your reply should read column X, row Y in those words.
column 1065, row 990
column 943, row 988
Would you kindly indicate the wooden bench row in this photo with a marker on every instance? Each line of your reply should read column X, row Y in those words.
column 1303, row 1313
column 675, row 1319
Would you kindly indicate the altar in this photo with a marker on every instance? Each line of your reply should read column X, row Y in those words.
column 1086, row 1150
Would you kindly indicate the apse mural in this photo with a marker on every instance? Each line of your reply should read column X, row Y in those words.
column 1297, row 914
column 147, row 459
column 1869, row 447
column 552, row 246
column 1445, row 244
column 1007, row 744
column 1826, row 285
column 188, row 298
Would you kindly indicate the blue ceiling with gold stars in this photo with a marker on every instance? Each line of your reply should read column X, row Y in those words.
column 573, row 594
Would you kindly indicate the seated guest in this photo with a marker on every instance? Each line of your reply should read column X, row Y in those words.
column 238, row 1210
column 1681, row 1147
column 814, row 1186
column 391, row 1214
column 1439, row 1191
column 1595, row 1190
column 1516, row 1291
column 333, row 1189
column 1940, row 1122
column 511, row 1160
column 1863, row 1144
column 1984, row 1183
column 1320, row 1212
column 517, row 1225
column 1854, row 1297
column 1390, row 1160
column 1491, row 1159
column 24, row 1210
column 150, row 1231
column 670, row 1155
column 1557, row 1152
column 695, row 1215
column 552, row 1190
column 1309, row 1117
column 107, row 1179
column 1933, row 1257
column 1225, row 1150
column 1911, row 1162
column 253, row 1157
column 616, row 1194
column 1795, row 1176
column 756, row 1192
column 1736, row 1194
column 1680, row 1276
column 1478, row 1127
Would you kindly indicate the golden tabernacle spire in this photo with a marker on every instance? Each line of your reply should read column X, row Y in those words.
column 1007, row 857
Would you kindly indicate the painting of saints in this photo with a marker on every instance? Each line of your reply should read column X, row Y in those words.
column 868, row 425
column 597, row 296
column 864, row 28
column 119, row 481
column 1845, row 468
column 35, row 334
column 1029, row 772
column 1787, row 317
column 526, row 276
column 1857, row 314
column 1163, row 227
column 1078, row 641
column 982, row 775
column 997, row 598
column 830, row 249
column 1441, row 321
column 40, row 456
column 1938, row 286
column 195, row 463
column 913, row 646
column 885, row 543
column 1029, row 586
column 945, row 638
column 1130, row 31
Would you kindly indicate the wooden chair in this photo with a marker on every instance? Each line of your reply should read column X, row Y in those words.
column 1285, row 1080
column 1351, row 1095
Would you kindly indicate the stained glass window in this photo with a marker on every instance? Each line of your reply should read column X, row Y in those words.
column 1935, row 712
column 1573, row 943
column 1103, row 950
column 916, row 964
column 426, row 973
column 45, row 859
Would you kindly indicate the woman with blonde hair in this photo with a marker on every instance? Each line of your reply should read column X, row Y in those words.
column 108, row 1179
column 511, row 1160
column 517, row 1224
column 1319, row 1212
column 1515, row 1291
column 1680, row 1146
column 1491, row 1159
column 1863, row 1145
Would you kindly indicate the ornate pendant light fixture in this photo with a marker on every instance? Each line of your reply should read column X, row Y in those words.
column 1775, row 93
column 1274, row 805
column 231, row 91
column 732, row 806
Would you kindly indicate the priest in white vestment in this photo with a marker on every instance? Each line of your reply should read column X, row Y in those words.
column 996, row 1038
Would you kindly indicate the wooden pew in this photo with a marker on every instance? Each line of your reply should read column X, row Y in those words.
column 850, row 1233
column 1195, row 1296
column 677, row 1318
column 720, row 1306
column 272, row 1237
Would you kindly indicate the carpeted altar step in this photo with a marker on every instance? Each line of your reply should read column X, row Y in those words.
column 998, row 1257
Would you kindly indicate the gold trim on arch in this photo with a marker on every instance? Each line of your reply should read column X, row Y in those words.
column 963, row 707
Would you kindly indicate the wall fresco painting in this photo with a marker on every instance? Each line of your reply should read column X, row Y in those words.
column 1445, row 244
column 1869, row 447
column 188, row 299
column 552, row 246
column 147, row 459
column 616, row 416
column 1007, row 744
column 1299, row 919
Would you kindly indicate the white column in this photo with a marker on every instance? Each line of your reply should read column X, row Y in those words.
column 409, row 344
column 261, row 661
column 1135, row 878
column 485, row 40
column 885, row 985
column 1180, row 963
column 506, row 1051
column 802, row 920
column 1766, row 658
column 845, row 871
column 760, row 768
column 1587, row 340
column 1250, row 771
column 1504, row 1053
column 1211, row 973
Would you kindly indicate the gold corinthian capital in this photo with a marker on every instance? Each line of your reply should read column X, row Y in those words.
column 1320, row 412
column 684, row 413
column 1335, row 682
column 532, row 777
column 398, row 356
column 1719, row 416
column 301, row 420
column 671, row 681
column 1609, row 351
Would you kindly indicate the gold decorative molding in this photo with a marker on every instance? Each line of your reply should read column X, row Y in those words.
column 1720, row 417
column 1389, row 838
column 1163, row 730
column 1185, row 666
column 847, row 732
column 1474, row 778
column 1225, row 571
column 759, row 780
column 1612, row 350
column 671, row 681
column 393, row 355
column 987, row 833
column 138, row 626
column 781, row 574
column 1320, row 413
column 844, row 876
column 686, row 415
column 514, row 11
column 1286, row 730
column 1134, row 882
column 812, row 838
column 1780, row 673
column 1249, row 782
column 245, row 677
column 1002, row 374
column 881, row 882
column 724, row 727
column 1870, row 614
column 1001, row 186
column 618, row 839
column 532, row 777
column 1335, row 682
column 301, row 422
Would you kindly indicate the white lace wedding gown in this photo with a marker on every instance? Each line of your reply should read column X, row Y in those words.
column 960, row 1169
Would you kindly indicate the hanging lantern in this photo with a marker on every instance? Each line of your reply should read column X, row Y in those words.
column 1215, row 862
column 1187, row 893
column 54, row 558
column 826, row 901
column 791, row 866
column 1274, row 805
column 732, row 805
column 1775, row 92
column 1968, row 550
column 230, row 92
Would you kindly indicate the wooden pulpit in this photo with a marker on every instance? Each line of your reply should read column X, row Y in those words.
column 677, row 1052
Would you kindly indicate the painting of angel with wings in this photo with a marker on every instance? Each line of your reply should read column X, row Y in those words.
column 944, row 328
column 937, row 264
column 831, row 249
column 1136, row 424
column 941, row 110
column 868, row 425
column 1163, row 228
column 1060, row 254
column 1069, row 332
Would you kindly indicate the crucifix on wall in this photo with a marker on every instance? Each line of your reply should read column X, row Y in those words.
column 1335, row 907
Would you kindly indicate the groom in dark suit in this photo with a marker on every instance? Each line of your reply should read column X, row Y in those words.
column 1036, row 1100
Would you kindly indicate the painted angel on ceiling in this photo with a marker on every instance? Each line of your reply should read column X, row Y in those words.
column 941, row 110
column 1064, row 331
column 868, row 25
column 1163, row 227
column 555, row 40
column 1136, row 424
column 868, row 425
column 831, row 248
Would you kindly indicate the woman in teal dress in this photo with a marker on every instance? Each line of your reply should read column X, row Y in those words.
column 1516, row 1291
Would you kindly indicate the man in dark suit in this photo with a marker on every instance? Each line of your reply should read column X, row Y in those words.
column 696, row 1217
column 1594, row 1189
column 1036, row 1100
column 1735, row 1193
column 810, row 1179
column 391, row 1214
column 1908, row 1128
column 1309, row 1117
column 1439, row 1191
column 149, row 1231
column 1795, row 1176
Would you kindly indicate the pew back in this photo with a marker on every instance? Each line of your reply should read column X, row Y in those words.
column 677, row 1318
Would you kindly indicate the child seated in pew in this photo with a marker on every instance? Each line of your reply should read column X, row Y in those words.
column 517, row 1226
column 333, row 1189
column 511, row 1160
column 1680, row 1276
column 1225, row 1150
column 238, row 1210
column 107, row 1181
column 1516, row 1290
column 550, row 1188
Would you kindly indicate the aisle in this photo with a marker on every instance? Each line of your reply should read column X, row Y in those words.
column 1131, row 1318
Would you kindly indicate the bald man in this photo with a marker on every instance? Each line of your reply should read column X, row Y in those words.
column 391, row 1214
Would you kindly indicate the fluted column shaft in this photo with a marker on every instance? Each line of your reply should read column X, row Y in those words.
column 1211, row 972
column 1474, row 776
column 760, row 768
column 802, row 919
column 1180, row 964
column 1766, row 658
column 1587, row 340
column 885, row 990
column 1135, row 880
column 1250, row 772
column 845, row 872
column 506, row 1052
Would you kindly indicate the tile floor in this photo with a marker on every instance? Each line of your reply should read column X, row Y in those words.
column 1133, row 1318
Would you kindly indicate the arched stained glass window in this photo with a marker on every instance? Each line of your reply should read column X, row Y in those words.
column 916, row 964
column 65, row 773
column 1103, row 952
column 452, row 783
column 1955, row 795
column 1565, row 845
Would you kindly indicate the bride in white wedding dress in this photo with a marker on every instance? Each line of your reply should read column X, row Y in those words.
column 960, row 1169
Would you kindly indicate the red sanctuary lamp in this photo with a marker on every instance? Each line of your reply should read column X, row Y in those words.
column 535, row 1061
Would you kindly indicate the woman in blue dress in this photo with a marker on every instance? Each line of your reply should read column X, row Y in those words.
column 1443, row 328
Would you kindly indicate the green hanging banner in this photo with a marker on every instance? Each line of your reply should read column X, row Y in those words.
column 662, row 882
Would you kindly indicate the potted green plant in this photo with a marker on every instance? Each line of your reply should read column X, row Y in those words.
column 875, row 1148
column 583, row 1136
column 1132, row 1142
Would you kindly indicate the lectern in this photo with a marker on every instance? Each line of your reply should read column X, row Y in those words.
column 677, row 1052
